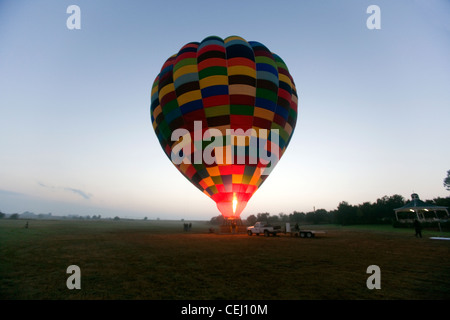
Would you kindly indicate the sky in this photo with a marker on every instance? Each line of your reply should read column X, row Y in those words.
column 75, row 130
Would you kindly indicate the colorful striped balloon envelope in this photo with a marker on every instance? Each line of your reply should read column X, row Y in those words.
column 224, row 111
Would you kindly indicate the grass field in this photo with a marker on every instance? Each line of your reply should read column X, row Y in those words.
column 128, row 259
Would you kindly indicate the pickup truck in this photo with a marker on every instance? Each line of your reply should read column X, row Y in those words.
column 266, row 229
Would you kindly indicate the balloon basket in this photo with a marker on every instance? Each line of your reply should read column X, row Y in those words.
column 233, row 226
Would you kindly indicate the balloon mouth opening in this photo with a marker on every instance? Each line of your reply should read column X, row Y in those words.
column 231, row 208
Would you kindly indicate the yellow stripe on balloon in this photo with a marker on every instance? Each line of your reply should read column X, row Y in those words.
column 157, row 111
column 189, row 96
column 263, row 113
column 242, row 70
column 165, row 90
column 285, row 78
column 213, row 171
column 255, row 177
column 185, row 70
column 213, row 81
column 236, row 178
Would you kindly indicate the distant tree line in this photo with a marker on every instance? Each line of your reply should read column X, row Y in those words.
column 379, row 212
column 30, row 215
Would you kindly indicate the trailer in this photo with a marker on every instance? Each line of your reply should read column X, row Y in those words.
column 304, row 233
column 298, row 232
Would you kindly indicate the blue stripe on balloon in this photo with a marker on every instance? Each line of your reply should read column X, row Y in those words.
column 214, row 91
column 191, row 106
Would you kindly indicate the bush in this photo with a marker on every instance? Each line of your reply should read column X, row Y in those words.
column 218, row 220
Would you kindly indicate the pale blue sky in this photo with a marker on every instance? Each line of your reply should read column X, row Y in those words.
column 76, row 136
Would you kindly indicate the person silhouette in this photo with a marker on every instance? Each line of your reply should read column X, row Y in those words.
column 418, row 228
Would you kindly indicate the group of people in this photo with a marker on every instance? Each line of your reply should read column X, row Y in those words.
column 233, row 227
column 187, row 226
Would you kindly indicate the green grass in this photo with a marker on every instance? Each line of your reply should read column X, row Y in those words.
column 157, row 260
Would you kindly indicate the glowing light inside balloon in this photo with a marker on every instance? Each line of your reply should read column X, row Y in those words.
column 234, row 204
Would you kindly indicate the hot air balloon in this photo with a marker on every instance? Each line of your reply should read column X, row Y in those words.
column 203, row 100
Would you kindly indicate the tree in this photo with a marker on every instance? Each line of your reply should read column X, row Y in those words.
column 251, row 219
column 284, row 217
column 367, row 212
column 217, row 220
column 263, row 217
column 384, row 207
column 447, row 181
column 14, row 216
column 443, row 202
column 273, row 219
column 310, row 217
column 320, row 216
column 298, row 217
column 347, row 214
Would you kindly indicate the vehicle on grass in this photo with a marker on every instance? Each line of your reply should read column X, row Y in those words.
column 304, row 233
column 298, row 232
column 263, row 228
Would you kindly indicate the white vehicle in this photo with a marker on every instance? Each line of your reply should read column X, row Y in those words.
column 264, row 228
